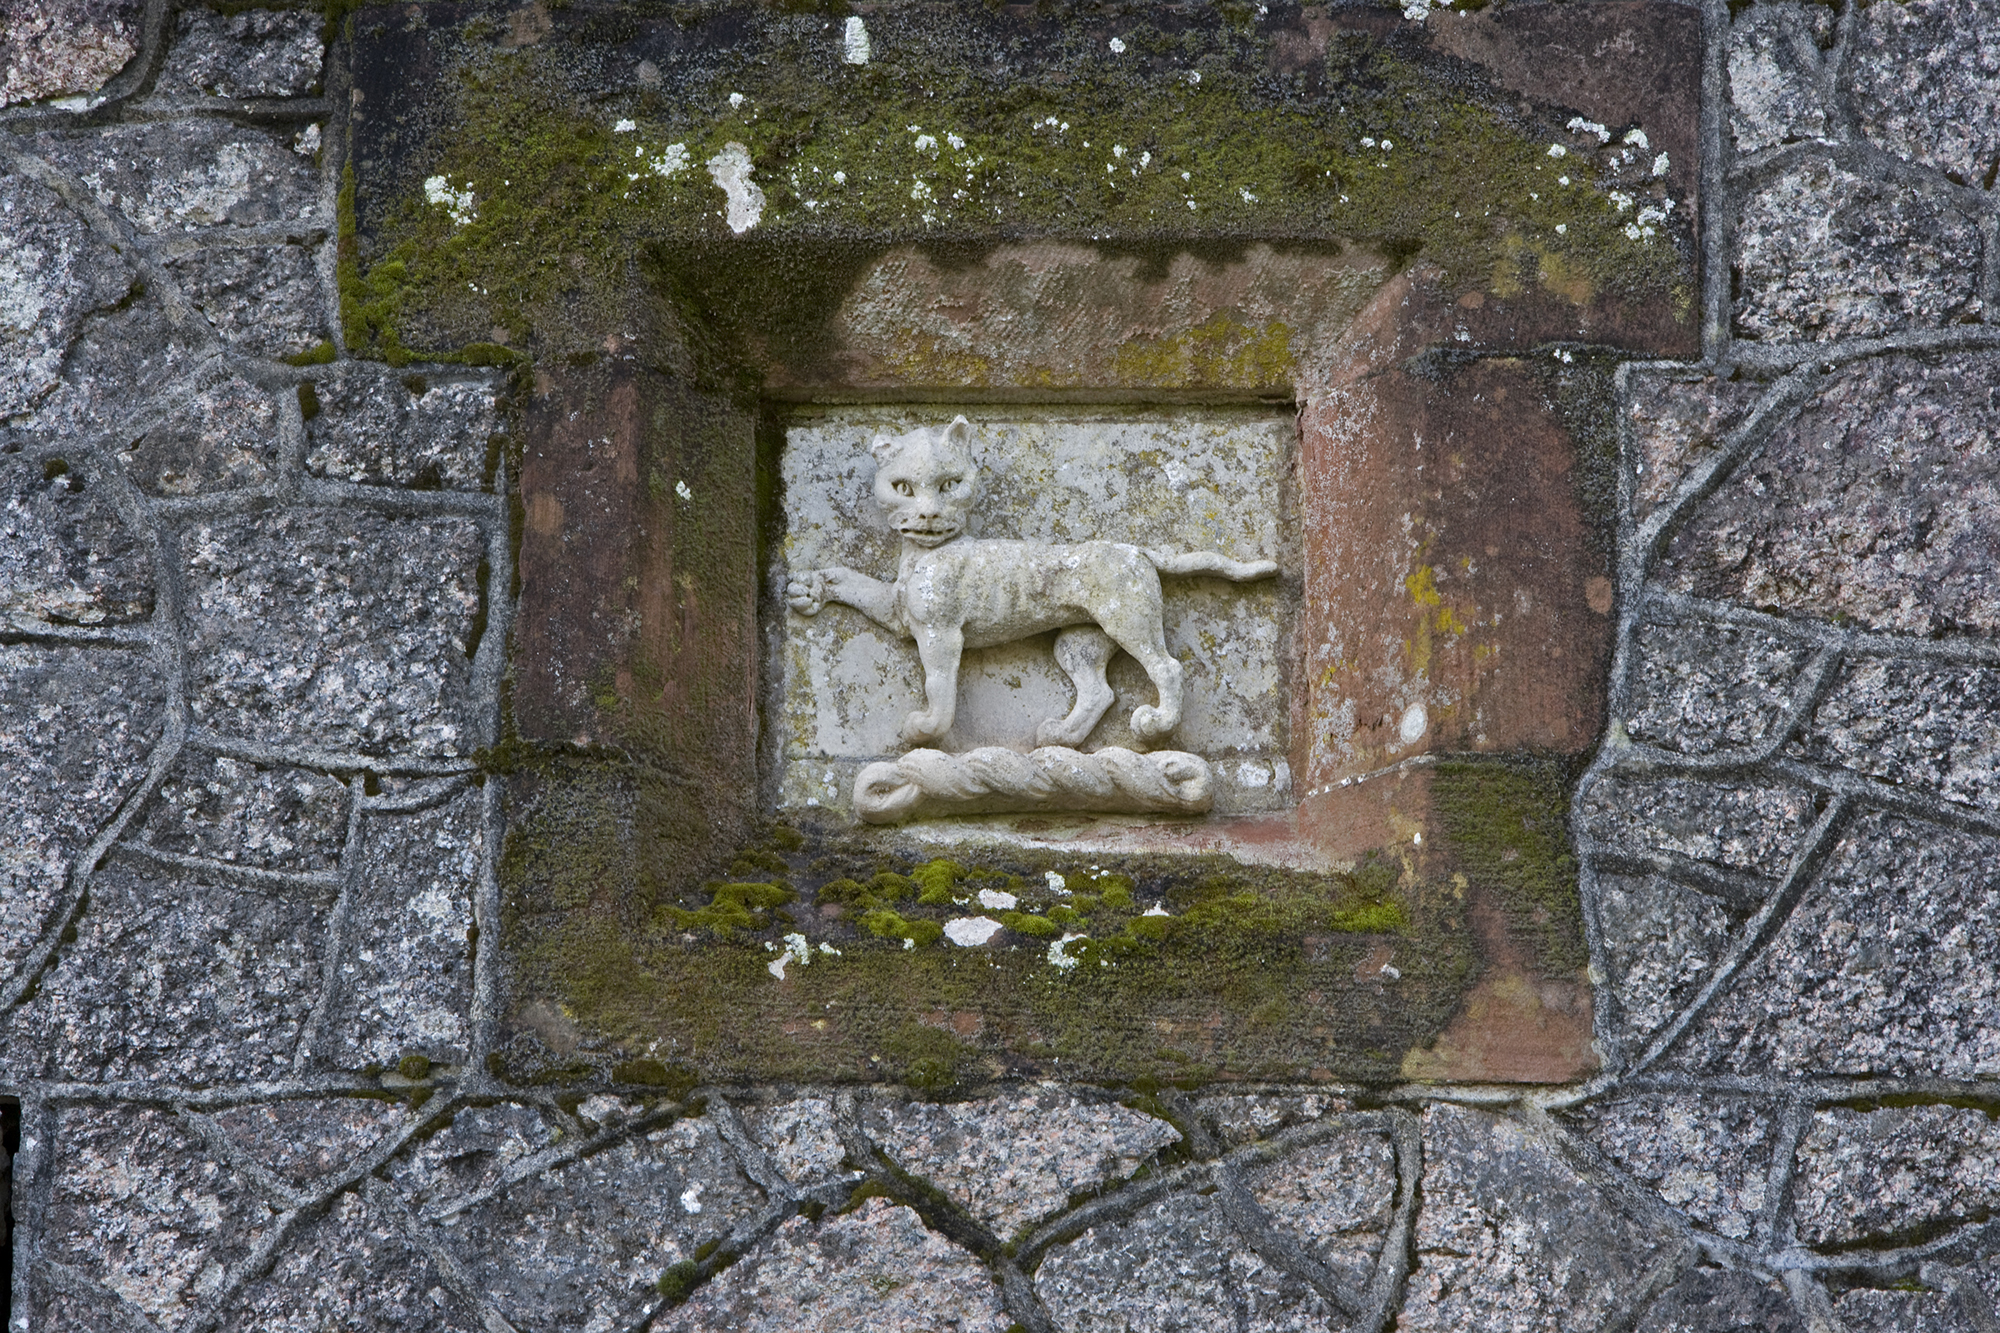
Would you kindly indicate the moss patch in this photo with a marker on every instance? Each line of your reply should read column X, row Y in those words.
column 524, row 188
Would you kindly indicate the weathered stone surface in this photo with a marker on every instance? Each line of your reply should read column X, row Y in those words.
column 1497, row 1235
column 120, row 375
column 174, row 176
column 1927, row 84
column 801, row 1137
column 1212, row 480
column 426, row 428
column 1881, row 969
column 300, row 1142
column 1708, row 1299
column 139, row 1205
column 263, row 299
column 333, row 629
column 53, row 270
column 178, row 980
column 250, row 53
column 1702, row 688
column 1708, row 1157
column 79, row 727
column 228, row 810
column 216, row 433
column 408, row 970
column 1752, row 827
column 51, row 48
column 1879, row 503
column 350, row 1269
column 1238, row 1118
column 1903, row 1311
column 1895, row 1174
column 1337, row 1197
column 1825, row 253
column 1018, row 1157
column 1913, row 723
column 1676, row 418
column 1175, row 1267
column 875, row 1268
column 66, row 555
column 470, row 1153
column 1660, row 941
column 1777, row 80
column 581, row 1245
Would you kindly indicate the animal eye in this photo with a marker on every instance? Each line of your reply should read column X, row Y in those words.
column 946, row 486
column 903, row 488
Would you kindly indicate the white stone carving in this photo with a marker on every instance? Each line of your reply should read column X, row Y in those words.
column 954, row 592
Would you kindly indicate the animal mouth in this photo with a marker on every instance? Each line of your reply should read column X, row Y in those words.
column 929, row 536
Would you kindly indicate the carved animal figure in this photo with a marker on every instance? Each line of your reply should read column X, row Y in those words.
column 954, row 592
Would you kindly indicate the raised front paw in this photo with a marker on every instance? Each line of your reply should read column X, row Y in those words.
column 922, row 729
column 807, row 592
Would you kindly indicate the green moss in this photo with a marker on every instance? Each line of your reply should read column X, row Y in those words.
column 414, row 1066
column 886, row 923
column 678, row 1282
column 935, row 880
column 677, row 1081
column 732, row 907
column 322, row 353
column 929, row 148
column 1029, row 924
column 1506, row 825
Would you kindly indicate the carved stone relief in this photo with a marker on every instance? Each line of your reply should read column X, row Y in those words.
column 1012, row 579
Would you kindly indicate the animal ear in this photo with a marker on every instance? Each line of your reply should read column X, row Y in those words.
column 881, row 446
column 959, row 433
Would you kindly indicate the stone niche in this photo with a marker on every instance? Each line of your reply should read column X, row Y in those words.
column 1324, row 286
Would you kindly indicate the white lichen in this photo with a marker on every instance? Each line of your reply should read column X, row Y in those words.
column 1578, row 125
column 731, row 169
column 854, row 47
column 1059, row 955
column 459, row 203
column 1117, row 45
column 971, row 931
column 998, row 899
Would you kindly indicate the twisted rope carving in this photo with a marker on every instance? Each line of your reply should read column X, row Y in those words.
column 991, row 780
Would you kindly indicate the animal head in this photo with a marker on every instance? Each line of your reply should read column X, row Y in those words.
column 926, row 481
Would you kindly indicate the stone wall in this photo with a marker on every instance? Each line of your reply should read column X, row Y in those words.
column 257, row 599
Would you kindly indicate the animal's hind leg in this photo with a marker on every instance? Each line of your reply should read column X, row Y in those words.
column 1083, row 651
column 1148, row 643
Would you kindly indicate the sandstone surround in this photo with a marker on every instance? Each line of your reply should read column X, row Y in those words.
column 258, row 592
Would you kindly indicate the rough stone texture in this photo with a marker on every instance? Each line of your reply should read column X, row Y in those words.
column 581, row 1245
column 120, row 369
column 178, row 176
column 1019, row 1157
column 78, row 728
column 408, row 970
column 1660, row 941
column 1881, row 970
column 1904, row 1311
column 1706, row 688
column 250, row 53
column 1752, row 828
column 1676, row 418
column 216, row 433
column 875, row 1268
column 351, row 1269
column 66, row 555
column 336, row 630
column 265, row 300
column 1238, row 1118
column 228, row 810
column 1914, row 724
column 1877, row 504
column 1497, row 1236
column 177, row 979
column 469, row 1154
column 302, row 1141
column 426, row 428
column 1927, row 84
column 1894, row 1174
column 1337, row 1197
column 1826, row 253
column 1175, row 1267
column 801, row 1137
column 1711, row 1159
column 141, row 1207
column 53, row 271
column 1776, row 74
column 54, row 48
column 1707, row 1300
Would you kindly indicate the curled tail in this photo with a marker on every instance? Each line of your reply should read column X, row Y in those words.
column 1212, row 562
